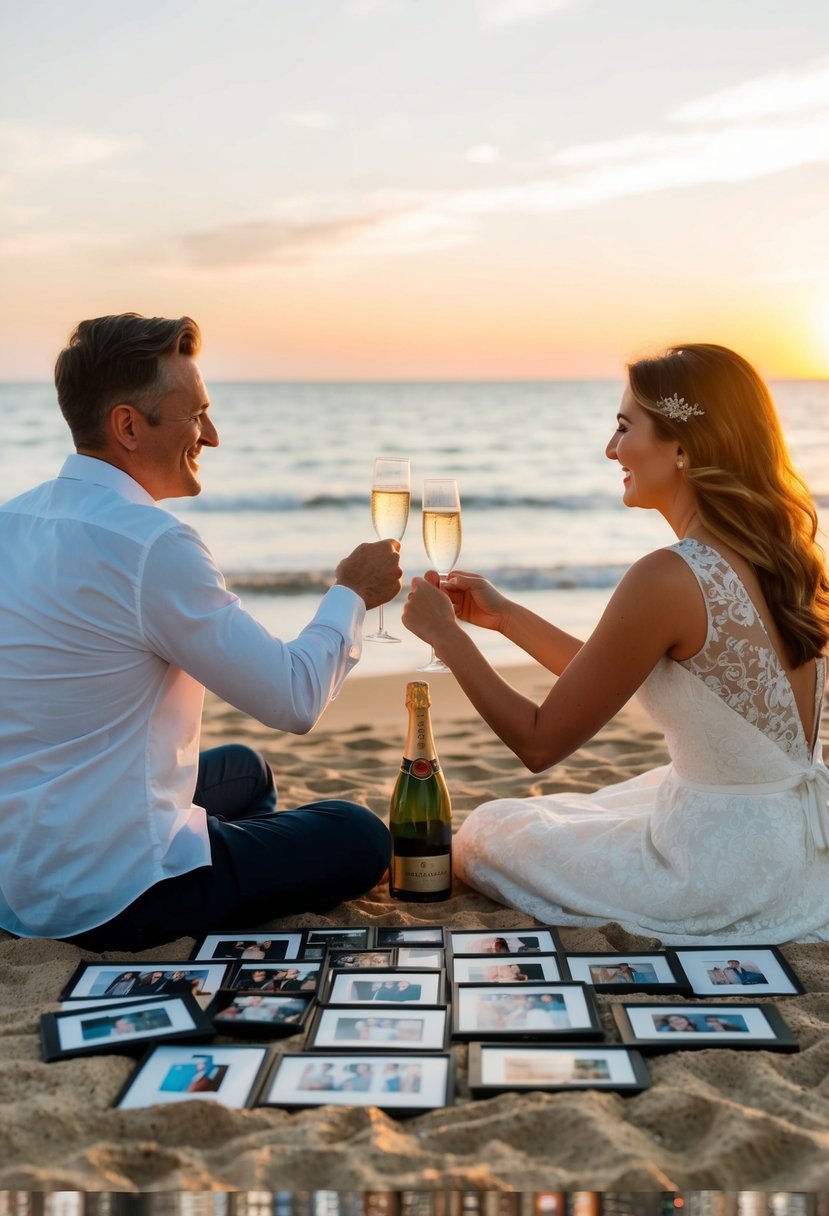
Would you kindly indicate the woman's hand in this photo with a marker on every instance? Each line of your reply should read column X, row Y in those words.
column 428, row 612
column 476, row 601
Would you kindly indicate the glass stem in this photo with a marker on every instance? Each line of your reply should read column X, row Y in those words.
column 381, row 627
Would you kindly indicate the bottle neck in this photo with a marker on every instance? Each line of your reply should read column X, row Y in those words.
column 420, row 745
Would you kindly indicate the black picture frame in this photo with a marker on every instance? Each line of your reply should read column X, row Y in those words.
column 232, row 1074
column 652, row 971
column 343, row 1027
column 315, row 942
column 300, row 975
column 696, row 1025
column 761, row 971
column 98, row 980
column 359, row 987
column 245, row 946
column 378, row 958
column 431, row 1071
column 410, row 935
column 500, row 1068
column 507, row 968
column 258, row 1014
column 523, row 940
column 503, row 1012
column 124, row 1028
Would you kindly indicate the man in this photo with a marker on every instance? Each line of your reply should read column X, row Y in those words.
column 114, row 832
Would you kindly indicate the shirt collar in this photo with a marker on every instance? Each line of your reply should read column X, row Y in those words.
column 100, row 473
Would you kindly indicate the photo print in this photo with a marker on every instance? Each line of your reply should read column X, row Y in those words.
column 505, row 969
column 393, row 1082
column 665, row 1027
column 499, row 1068
column 385, row 987
column 429, row 957
column 299, row 976
column 504, row 941
column 123, row 1027
column 524, row 1010
column 655, row 971
column 110, row 982
column 745, row 971
column 429, row 935
column 317, row 941
column 257, row 1013
column 229, row 1075
column 423, row 1029
column 246, row 946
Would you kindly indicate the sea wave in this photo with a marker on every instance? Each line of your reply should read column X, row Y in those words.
column 509, row 578
column 240, row 504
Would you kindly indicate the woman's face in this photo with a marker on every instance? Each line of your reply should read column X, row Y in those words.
column 651, row 478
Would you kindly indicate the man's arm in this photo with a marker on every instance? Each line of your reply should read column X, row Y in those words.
column 190, row 620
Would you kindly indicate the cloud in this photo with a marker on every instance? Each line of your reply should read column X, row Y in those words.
column 776, row 94
column 30, row 149
column 519, row 12
column 312, row 119
column 390, row 227
column 481, row 154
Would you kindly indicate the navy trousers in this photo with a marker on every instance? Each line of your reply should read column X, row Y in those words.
column 265, row 863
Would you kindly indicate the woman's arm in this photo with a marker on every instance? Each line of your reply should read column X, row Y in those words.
column 480, row 603
column 656, row 608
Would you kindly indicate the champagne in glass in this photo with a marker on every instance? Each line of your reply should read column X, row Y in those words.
column 390, row 496
column 441, row 535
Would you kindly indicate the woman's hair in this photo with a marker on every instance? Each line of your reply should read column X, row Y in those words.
column 115, row 359
column 748, row 493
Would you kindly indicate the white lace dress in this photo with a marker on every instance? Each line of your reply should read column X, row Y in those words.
column 729, row 843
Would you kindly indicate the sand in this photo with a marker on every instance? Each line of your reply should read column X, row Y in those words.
column 712, row 1120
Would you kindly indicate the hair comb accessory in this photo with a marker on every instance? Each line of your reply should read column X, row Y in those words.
column 678, row 408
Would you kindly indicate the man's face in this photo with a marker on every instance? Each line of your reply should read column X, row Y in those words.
column 169, row 452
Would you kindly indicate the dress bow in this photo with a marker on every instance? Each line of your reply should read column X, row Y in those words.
column 817, row 804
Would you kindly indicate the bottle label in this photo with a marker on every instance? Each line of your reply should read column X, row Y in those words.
column 421, row 874
column 421, row 769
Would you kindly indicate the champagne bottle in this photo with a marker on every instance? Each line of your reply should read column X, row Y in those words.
column 420, row 813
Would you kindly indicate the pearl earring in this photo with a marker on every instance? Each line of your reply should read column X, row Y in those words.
column 680, row 464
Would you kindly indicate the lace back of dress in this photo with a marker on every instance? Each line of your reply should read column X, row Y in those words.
column 738, row 662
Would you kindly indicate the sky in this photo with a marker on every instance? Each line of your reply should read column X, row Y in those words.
column 418, row 189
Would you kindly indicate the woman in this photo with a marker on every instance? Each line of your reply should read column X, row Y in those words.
column 723, row 636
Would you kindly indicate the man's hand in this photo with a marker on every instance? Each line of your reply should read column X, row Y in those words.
column 373, row 571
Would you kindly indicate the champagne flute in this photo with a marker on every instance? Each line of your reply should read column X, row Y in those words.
column 390, row 496
column 441, row 535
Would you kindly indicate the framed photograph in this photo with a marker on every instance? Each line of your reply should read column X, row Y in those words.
column 316, row 941
column 297, row 975
column 123, row 1027
column 230, row 1075
column 384, row 988
column 495, row 1011
column 504, row 941
column 505, row 969
column 612, row 972
column 666, row 1027
column 244, row 1013
column 239, row 947
column 341, row 1027
column 115, row 981
column 342, row 960
column 498, row 1068
column 428, row 957
column 423, row 935
column 746, row 971
column 396, row 1083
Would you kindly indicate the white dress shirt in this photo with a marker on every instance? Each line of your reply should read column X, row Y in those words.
column 113, row 619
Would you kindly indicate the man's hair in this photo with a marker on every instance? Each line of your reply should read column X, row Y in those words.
column 114, row 360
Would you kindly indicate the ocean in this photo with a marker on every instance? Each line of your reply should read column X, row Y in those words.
column 286, row 494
